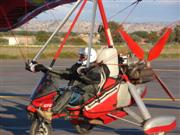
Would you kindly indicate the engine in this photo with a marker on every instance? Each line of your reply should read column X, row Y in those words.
column 138, row 72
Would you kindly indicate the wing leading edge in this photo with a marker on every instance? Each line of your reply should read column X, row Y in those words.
column 14, row 13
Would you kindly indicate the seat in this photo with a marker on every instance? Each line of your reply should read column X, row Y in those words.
column 110, row 68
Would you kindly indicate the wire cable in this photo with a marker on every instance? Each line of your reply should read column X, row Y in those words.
column 120, row 11
column 12, row 33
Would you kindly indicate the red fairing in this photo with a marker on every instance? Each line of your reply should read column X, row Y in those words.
column 161, row 128
column 31, row 108
column 110, row 82
column 106, row 103
column 45, row 102
column 72, row 115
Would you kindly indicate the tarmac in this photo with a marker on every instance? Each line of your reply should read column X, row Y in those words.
column 16, row 84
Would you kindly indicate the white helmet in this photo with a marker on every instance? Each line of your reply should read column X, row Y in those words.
column 84, row 52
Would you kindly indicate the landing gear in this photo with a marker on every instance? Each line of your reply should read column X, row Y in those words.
column 40, row 128
column 83, row 128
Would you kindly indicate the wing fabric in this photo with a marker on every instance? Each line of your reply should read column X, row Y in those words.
column 14, row 13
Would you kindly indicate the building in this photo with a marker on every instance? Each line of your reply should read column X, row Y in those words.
column 20, row 40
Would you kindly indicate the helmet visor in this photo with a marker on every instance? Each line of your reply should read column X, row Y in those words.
column 82, row 57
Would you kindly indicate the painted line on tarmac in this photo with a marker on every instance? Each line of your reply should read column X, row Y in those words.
column 14, row 128
column 93, row 131
column 145, row 99
column 159, row 99
column 71, row 129
column 167, row 70
column 15, row 97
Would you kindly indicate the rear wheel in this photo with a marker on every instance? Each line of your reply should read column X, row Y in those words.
column 83, row 128
column 40, row 128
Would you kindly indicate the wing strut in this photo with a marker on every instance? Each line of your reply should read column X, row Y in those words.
column 57, row 29
column 92, row 31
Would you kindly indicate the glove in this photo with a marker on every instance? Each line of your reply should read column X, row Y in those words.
column 82, row 70
column 66, row 76
column 30, row 66
column 39, row 67
column 35, row 67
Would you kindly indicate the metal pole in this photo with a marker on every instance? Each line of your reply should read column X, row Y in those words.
column 125, row 120
column 61, row 46
column 92, row 31
column 57, row 29
column 105, row 24
column 140, row 104
column 144, row 111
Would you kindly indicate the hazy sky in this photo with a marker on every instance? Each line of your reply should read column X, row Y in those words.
column 146, row 11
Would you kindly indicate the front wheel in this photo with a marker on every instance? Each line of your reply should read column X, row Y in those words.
column 40, row 128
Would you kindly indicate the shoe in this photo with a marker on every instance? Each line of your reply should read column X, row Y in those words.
column 96, row 122
column 47, row 115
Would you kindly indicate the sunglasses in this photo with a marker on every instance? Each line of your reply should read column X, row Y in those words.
column 81, row 56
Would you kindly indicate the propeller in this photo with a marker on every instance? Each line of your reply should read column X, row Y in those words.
column 153, row 53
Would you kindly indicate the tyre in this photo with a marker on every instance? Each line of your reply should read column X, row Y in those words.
column 83, row 128
column 40, row 128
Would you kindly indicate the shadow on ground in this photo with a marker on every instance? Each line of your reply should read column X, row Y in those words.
column 13, row 118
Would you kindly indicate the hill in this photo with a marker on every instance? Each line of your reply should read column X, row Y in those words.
column 84, row 27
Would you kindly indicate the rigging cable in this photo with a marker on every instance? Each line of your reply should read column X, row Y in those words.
column 12, row 33
column 131, row 11
column 53, row 15
column 26, row 29
column 120, row 11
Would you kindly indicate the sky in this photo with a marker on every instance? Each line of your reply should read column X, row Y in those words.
column 165, row 11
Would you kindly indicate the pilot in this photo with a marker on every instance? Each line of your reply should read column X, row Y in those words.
column 82, row 79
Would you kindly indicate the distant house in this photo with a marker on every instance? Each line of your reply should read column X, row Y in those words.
column 21, row 40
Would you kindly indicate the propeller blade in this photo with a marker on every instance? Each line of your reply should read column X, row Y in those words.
column 165, row 88
column 156, row 50
column 132, row 44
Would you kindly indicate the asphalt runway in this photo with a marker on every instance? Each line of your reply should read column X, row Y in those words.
column 16, row 81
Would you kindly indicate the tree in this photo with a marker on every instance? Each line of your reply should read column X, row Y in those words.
column 76, row 41
column 171, row 37
column 174, row 36
column 41, row 36
column 177, row 33
column 136, row 37
column 153, row 37
column 141, row 34
column 55, row 40
column 3, row 41
column 113, row 27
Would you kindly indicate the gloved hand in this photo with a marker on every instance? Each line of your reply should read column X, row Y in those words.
column 30, row 66
column 82, row 70
column 40, row 67
column 35, row 67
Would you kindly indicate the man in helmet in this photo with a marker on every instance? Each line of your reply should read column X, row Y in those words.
column 81, row 78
